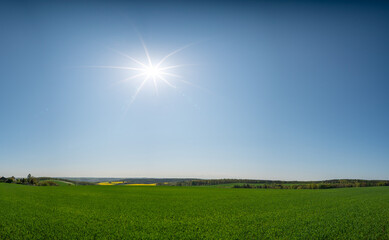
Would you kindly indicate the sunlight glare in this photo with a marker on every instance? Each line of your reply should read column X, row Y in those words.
column 149, row 71
column 153, row 71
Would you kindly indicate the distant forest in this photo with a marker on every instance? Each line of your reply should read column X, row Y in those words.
column 39, row 181
column 234, row 183
column 249, row 183
column 128, row 180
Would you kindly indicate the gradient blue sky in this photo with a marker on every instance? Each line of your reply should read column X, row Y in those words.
column 292, row 90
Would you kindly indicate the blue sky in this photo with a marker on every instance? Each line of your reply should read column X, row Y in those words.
column 292, row 90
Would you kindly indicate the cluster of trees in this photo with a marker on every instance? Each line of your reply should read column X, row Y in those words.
column 8, row 180
column 323, row 185
column 249, row 183
column 47, row 183
column 30, row 180
column 158, row 181
column 206, row 182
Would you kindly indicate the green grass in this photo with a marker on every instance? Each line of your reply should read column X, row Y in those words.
column 120, row 212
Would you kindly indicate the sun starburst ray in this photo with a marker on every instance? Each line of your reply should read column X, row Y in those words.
column 131, row 58
column 132, row 77
column 117, row 67
column 171, row 54
column 171, row 74
column 146, row 51
column 174, row 66
column 187, row 82
column 167, row 82
column 147, row 71
column 155, row 84
column 138, row 90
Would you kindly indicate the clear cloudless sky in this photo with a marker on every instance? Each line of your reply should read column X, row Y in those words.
column 293, row 90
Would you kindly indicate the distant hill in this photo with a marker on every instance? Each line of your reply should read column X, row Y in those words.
column 156, row 180
column 251, row 183
column 236, row 183
column 90, row 180
column 129, row 180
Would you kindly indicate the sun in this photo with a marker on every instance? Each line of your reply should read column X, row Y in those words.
column 148, row 71
column 153, row 72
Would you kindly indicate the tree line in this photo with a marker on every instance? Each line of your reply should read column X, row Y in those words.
column 29, row 180
column 249, row 183
column 316, row 185
column 40, row 181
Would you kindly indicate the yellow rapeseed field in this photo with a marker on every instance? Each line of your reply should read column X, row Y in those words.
column 104, row 183
column 109, row 183
column 116, row 183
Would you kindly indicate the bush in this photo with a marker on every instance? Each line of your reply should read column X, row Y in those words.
column 47, row 183
column 11, row 180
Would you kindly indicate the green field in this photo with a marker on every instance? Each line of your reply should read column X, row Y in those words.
column 120, row 212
